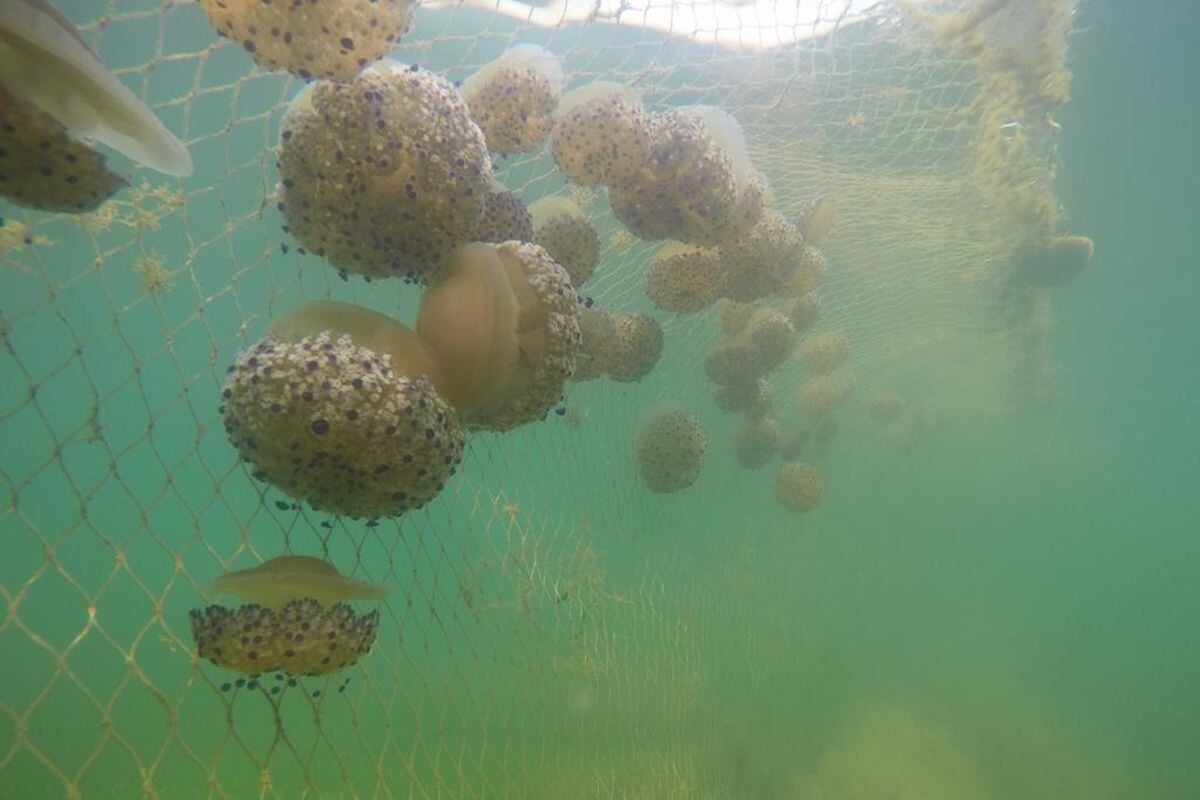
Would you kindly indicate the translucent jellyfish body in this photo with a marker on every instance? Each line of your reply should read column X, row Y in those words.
column 598, row 345
column 732, row 315
column 803, row 312
column 503, row 321
column 886, row 406
column 756, row 442
column 336, row 406
column 799, row 487
column 504, row 218
column 823, row 394
column 601, row 134
column 638, row 348
column 55, row 94
column 815, row 218
column 687, row 190
column 824, row 352
column 277, row 581
column 732, row 362
column 331, row 39
column 513, row 98
column 384, row 175
column 64, row 175
column 752, row 398
column 683, row 278
column 810, row 268
column 773, row 338
column 568, row 236
column 669, row 448
column 763, row 261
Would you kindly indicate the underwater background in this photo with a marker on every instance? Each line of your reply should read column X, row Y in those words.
column 1001, row 606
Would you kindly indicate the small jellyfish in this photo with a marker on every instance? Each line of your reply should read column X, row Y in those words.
column 886, row 406
column 803, row 312
column 756, row 442
column 732, row 315
column 799, row 487
column 762, row 262
column 601, row 134
column 407, row 188
column 513, row 98
column 333, row 40
column 1050, row 261
column 773, row 338
column 823, row 394
column 810, row 269
column 568, row 236
column 639, row 347
column 684, row 279
column 599, row 343
column 822, row 353
column 505, row 218
column 732, row 362
column 338, row 406
column 669, row 446
column 753, row 399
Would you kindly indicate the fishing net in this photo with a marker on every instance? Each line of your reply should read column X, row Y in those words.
column 553, row 629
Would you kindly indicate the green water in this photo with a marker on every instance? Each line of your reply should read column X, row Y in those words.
column 1005, row 610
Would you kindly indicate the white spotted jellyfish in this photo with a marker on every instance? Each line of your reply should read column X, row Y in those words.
column 598, row 344
column 568, row 236
column 513, row 98
column 762, row 262
column 601, row 134
column 669, row 448
column 684, row 279
column 297, row 620
column 338, row 406
column 639, row 346
column 384, row 175
column 311, row 39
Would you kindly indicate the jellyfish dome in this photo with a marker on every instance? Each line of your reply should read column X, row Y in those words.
column 733, row 316
column 799, row 487
column 756, row 442
column 732, row 362
column 601, row 134
column 513, row 98
column 337, row 406
column 823, row 394
column 568, row 236
column 505, row 218
column 598, row 345
column 822, row 353
column 886, row 406
column 762, row 262
column 773, row 338
column 684, row 279
column 332, row 40
column 753, row 399
column 670, row 447
column 412, row 177
column 803, row 312
column 639, row 347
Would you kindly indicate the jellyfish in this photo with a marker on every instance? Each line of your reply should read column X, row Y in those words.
column 513, row 98
column 810, row 268
column 338, row 406
column 732, row 362
column 277, row 581
column 799, row 487
column 504, row 322
column 773, row 338
column 793, row 442
column 407, row 188
column 688, row 188
column 803, row 311
column 763, row 261
column 886, row 406
column 684, row 279
column 822, row 353
column 296, row 621
column 732, row 315
column 1050, row 261
column 815, row 218
column 669, row 448
column 823, row 394
column 568, row 236
column 753, row 399
column 601, row 134
column 598, row 344
column 756, row 442
column 333, row 40
column 55, row 97
column 639, row 347
column 505, row 218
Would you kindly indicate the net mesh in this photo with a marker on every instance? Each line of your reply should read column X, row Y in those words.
column 545, row 636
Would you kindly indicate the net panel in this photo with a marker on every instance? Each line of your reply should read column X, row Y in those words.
column 547, row 635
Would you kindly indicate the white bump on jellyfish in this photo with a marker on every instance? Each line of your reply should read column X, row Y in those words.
column 276, row 582
column 303, row 101
column 553, row 206
column 726, row 131
column 531, row 56
column 44, row 61
column 592, row 91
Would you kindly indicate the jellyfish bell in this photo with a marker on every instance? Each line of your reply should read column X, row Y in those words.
column 513, row 98
column 1052, row 261
column 44, row 61
column 280, row 580
column 568, row 236
column 468, row 317
column 815, row 218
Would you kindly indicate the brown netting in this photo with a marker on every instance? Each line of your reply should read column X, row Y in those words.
column 554, row 630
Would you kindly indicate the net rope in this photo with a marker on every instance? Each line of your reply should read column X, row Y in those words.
column 539, row 640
